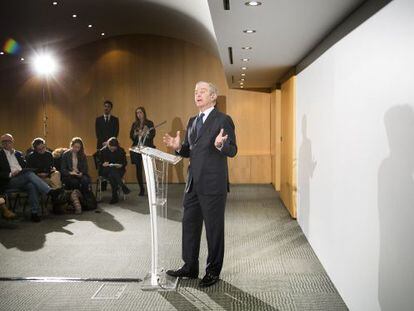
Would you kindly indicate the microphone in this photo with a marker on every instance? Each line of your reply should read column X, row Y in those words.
column 150, row 129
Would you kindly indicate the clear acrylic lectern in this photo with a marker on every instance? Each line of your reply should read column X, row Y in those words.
column 156, row 174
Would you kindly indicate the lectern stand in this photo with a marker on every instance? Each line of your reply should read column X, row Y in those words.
column 156, row 174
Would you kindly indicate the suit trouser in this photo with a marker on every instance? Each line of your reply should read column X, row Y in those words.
column 210, row 209
column 115, row 177
column 31, row 183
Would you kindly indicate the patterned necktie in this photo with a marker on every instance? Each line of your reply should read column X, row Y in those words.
column 199, row 123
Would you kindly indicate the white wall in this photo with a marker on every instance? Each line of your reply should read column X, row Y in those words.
column 355, row 139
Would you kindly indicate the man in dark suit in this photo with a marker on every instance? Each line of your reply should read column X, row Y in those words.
column 209, row 140
column 106, row 126
column 15, row 176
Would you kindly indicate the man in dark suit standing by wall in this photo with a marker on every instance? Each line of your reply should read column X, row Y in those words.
column 209, row 140
column 106, row 126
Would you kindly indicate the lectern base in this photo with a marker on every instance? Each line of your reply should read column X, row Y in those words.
column 161, row 282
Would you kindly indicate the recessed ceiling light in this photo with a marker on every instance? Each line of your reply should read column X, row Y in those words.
column 243, row 74
column 241, row 83
column 90, row 26
column 242, row 79
column 22, row 58
column 54, row 3
column 241, row 86
column 102, row 34
column 1, row 53
column 245, row 59
column 249, row 31
column 243, row 68
column 246, row 47
column 253, row 3
column 74, row 15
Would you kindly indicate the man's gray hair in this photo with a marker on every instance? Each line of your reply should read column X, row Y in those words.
column 212, row 88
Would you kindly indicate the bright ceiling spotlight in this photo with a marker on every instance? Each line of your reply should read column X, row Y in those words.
column 54, row 3
column 90, row 26
column 102, row 34
column 243, row 68
column 243, row 74
column 249, row 31
column 245, row 59
column 74, row 15
column 246, row 47
column 45, row 64
column 253, row 3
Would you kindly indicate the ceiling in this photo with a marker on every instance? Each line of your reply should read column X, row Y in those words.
column 37, row 24
column 286, row 30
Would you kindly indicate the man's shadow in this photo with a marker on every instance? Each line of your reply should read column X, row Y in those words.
column 222, row 294
column 396, row 212
column 306, row 169
column 29, row 237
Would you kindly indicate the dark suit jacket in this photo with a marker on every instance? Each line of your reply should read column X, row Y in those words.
column 105, row 130
column 67, row 167
column 208, row 171
column 5, row 167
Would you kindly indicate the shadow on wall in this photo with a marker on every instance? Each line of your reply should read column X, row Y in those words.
column 396, row 212
column 306, row 168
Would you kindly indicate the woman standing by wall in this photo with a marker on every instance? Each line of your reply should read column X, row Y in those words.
column 142, row 133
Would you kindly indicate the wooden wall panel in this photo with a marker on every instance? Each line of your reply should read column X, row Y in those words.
column 288, row 160
column 158, row 73
column 275, row 136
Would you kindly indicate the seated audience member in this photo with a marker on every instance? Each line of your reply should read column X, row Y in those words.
column 75, row 167
column 57, row 157
column 15, row 176
column 113, row 165
column 41, row 161
column 7, row 214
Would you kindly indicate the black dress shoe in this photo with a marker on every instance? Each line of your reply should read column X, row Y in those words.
column 114, row 200
column 125, row 189
column 183, row 273
column 209, row 279
column 35, row 218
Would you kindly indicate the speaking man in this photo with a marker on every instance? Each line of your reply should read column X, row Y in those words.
column 209, row 140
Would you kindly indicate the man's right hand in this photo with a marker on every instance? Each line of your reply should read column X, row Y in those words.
column 172, row 142
column 14, row 173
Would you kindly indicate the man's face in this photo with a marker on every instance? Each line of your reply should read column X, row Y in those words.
column 7, row 144
column 202, row 96
column 107, row 108
column 41, row 148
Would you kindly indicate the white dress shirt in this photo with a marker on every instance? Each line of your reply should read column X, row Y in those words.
column 13, row 163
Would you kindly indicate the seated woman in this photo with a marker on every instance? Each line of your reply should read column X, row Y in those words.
column 75, row 167
column 113, row 163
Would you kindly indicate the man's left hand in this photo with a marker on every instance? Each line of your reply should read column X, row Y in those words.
column 220, row 139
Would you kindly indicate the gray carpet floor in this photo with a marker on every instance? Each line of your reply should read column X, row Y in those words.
column 268, row 265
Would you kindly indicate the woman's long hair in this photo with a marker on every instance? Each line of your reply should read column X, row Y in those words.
column 78, row 140
column 138, row 121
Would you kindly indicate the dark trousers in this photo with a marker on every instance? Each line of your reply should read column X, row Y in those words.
column 140, row 176
column 33, row 184
column 210, row 209
column 82, row 183
column 115, row 177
